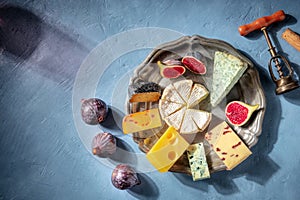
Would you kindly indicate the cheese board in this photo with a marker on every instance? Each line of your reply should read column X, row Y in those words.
column 247, row 88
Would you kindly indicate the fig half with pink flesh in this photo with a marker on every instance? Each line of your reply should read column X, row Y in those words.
column 238, row 113
column 194, row 65
column 170, row 71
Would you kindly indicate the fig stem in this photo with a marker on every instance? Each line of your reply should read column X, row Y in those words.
column 94, row 151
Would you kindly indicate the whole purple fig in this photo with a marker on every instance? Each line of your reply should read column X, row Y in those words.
column 93, row 111
column 104, row 144
column 124, row 177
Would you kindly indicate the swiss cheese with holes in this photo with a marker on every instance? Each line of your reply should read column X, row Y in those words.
column 167, row 150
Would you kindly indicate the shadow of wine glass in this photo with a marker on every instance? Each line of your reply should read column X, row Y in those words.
column 45, row 48
column 259, row 167
column 146, row 190
column 20, row 31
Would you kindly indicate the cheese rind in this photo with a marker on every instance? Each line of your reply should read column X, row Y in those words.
column 141, row 121
column 145, row 97
column 227, row 145
column 228, row 69
column 197, row 161
column 167, row 150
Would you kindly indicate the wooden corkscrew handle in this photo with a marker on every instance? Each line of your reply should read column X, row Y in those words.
column 262, row 22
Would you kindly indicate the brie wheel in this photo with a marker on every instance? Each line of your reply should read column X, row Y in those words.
column 177, row 103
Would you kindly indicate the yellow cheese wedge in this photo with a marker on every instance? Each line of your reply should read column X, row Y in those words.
column 141, row 121
column 167, row 150
column 227, row 145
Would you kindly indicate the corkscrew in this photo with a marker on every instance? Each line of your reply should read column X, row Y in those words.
column 284, row 83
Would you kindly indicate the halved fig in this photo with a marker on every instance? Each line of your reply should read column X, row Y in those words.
column 170, row 71
column 238, row 113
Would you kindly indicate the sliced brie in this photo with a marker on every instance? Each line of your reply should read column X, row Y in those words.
column 201, row 118
column 199, row 92
column 175, row 119
column 171, row 94
column 188, row 125
column 176, row 105
column 167, row 108
column 184, row 88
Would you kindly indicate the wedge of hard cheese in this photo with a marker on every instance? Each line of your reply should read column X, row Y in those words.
column 140, row 121
column 167, row 150
column 227, row 145
column 228, row 69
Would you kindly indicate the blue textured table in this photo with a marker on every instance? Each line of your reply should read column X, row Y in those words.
column 41, row 153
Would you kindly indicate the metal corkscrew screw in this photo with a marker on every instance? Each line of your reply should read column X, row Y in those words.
column 284, row 83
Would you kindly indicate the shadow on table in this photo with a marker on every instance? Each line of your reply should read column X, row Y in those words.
column 20, row 31
column 294, row 95
column 259, row 167
column 113, row 122
column 146, row 190
column 42, row 47
column 124, row 154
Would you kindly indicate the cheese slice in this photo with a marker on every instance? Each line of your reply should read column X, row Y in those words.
column 166, row 108
column 188, row 125
column 184, row 89
column 167, row 150
column 201, row 118
column 228, row 69
column 199, row 92
column 171, row 94
column 227, row 145
column 141, row 121
column 175, row 119
column 197, row 161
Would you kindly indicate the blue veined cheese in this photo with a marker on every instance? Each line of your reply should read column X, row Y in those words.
column 228, row 69
column 197, row 161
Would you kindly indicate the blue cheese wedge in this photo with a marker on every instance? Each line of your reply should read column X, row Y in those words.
column 197, row 161
column 228, row 69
